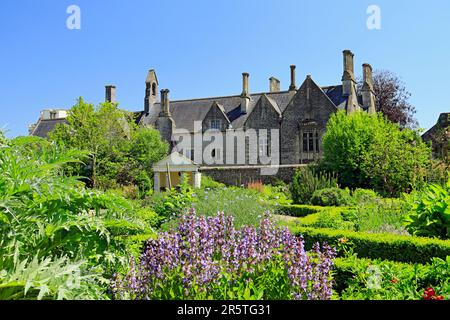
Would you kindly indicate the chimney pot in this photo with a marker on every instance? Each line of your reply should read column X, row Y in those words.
column 165, row 103
column 110, row 93
column 349, row 70
column 245, row 96
column 293, row 86
column 245, row 90
column 274, row 84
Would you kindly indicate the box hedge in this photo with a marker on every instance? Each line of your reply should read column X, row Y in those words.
column 301, row 210
column 380, row 246
column 347, row 269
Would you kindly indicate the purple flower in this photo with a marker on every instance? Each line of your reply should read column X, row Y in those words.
column 205, row 255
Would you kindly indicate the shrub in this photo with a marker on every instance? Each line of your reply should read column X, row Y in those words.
column 172, row 203
column 277, row 195
column 437, row 172
column 364, row 279
column 331, row 197
column 297, row 210
column 245, row 205
column 333, row 220
column 369, row 151
column 306, row 181
column 431, row 213
column 381, row 216
column 365, row 196
column 209, row 258
column 52, row 230
column 210, row 183
column 257, row 186
column 380, row 246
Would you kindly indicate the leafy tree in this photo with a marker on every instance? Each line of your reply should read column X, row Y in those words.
column 392, row 98
column 120, row 153
column 369, row 151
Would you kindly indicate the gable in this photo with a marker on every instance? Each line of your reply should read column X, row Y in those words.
column 265, row 114
column 310, row 103
column 216, row 112
column 175, row 161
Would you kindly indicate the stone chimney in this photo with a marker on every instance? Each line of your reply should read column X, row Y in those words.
column 348, row 78
column 151, row 91
column 165, row 103
column 165, row 124
column 367, row 90
column 274, row 84
column 293, row 86
column 349, row 83
column 245, row 96
column 110, row 93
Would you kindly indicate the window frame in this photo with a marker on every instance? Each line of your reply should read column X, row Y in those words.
column 215, row 124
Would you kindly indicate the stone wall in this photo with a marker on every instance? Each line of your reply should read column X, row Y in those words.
column 237, row 176
column 308, row 112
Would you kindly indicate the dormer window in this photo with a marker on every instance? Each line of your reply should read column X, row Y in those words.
column 216, row 124
column 52, row 115
column 154, row 89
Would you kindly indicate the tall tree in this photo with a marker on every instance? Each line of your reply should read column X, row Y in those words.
column 117, row 154
column 392, row 98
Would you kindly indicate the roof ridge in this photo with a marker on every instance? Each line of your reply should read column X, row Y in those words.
column 231, row 96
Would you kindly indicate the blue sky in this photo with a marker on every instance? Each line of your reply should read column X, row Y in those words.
column 200, row 48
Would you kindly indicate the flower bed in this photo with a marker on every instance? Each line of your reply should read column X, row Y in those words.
column 208, row 258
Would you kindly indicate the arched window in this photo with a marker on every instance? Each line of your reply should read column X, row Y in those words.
column 154, row 89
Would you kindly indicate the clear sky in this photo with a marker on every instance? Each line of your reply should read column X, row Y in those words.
column 199, row 48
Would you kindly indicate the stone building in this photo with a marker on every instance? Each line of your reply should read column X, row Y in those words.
column 439, row 136
column 284, row 126
column 293, row 120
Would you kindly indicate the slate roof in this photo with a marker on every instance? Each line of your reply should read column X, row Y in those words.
column 43, row 127
column 185, row 112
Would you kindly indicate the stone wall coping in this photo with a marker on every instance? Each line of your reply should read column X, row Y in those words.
column 248, row 167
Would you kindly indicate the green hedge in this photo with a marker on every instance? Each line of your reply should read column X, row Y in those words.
column 380, row 246
column 350, row 270
column 302, row 210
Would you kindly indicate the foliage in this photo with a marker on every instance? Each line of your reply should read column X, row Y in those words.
column 299, row 210
column 210, row 183
column 172, row 203
column 392, row 98
column 119, row 153
column 380, row 246
column 430, row 214
column 369, row 151
column 331, row 197
column 277, row 195
column 52, row 227
column 207, row 258
column 307, row 180
column 365, row 196
column 438, row 171
column 257, row 186
column 246, row 206
column 363, row 279
column 379, row 216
